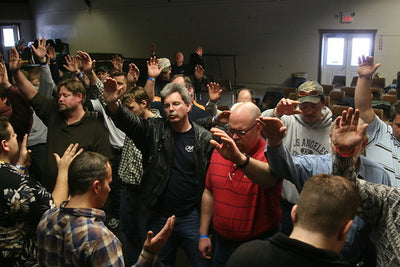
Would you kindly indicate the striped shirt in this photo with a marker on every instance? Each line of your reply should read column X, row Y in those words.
column 243, row 210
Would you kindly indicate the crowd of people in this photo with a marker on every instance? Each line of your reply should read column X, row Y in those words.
column 288, row 186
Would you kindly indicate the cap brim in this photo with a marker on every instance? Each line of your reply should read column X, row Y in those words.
column 310, row 99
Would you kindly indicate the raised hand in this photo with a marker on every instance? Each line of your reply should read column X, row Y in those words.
column 72, row 64
column 287, row 106
column 346, row 134
column 111, row 91
column 24, row 154
column 41, row 51
column 214, row 91
column 228, row 148
column 223, row 117
column 3, row 76
column 199, row 72
column 153, row 70
column 366, row 66
column 117, row 62
column 51, row 53
column 69, row 154
column 87, row 64
column 14, row 62
column 156, row 243
column 273, row 130
column 133, row 74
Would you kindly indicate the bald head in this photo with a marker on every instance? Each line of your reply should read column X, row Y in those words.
column 247, row 110
column 244, row 129
column 245, row 95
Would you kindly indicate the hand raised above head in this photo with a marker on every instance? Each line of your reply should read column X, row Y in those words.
column 133, row 74
column 366, row 66
column 111, row 91
column 346, row 134
column 214, row 91
column 41, row 50
column 14, row 62
column 153, row 70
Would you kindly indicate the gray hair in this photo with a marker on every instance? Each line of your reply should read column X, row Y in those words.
column 176, row 88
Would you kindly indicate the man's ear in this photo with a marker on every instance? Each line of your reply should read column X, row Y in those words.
column 96, row 186
column 4, row 145
column 293, row 214
column 80, row 96
column 344, row 230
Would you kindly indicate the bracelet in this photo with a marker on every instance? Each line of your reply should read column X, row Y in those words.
column 368, row 77
column 151, row 79
column 344, row 155
column 215, row 119
column 203, row 236
column 245, row 163
column 79, row 74
column 20, row 167
column 43, row 63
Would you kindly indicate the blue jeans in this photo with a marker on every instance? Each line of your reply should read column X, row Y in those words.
column 133, row 224
column 225, row 247
column 185, row 234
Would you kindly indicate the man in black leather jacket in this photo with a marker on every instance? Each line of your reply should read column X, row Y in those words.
column 176, row 155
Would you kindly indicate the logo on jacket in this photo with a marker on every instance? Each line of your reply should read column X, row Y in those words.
column 189, row 149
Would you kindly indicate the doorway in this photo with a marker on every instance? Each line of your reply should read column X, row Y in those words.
column 340, row 51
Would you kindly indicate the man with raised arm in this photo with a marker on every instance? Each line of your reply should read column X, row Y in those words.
column 74, row 233
column 242, row 195
column 66, row 120
column 384, row 139
column 23, row 200
column 176, row 153
column 298, row 169
column 379, row 204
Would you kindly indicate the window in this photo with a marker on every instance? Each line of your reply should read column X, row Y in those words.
column 340, row 50
column 9, row 35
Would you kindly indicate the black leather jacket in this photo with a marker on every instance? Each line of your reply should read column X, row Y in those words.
column 154, row 138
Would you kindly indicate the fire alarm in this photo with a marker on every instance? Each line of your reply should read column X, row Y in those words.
column 346, row 17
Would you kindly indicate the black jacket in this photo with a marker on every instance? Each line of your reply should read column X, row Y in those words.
column 154, row 138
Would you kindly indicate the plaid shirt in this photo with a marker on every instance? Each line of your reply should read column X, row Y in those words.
column 77, row 237
column 130, row 168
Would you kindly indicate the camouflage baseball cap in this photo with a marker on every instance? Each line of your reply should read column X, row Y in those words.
column 310, row 91
column 164, row 63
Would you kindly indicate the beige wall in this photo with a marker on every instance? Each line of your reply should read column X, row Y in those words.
column 271, row 38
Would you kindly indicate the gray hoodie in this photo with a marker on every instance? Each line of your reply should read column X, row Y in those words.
column 302, row 138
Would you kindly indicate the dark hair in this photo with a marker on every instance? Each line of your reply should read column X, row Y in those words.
column 119, row 73
column 394, row 111
column 325, row 202
column 137, row 94
column 186, row 79
column 84, row 170
column 4, row 132
column 245, row 89
column 74, row 86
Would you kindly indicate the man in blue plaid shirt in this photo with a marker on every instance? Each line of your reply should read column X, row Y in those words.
column 74, row 234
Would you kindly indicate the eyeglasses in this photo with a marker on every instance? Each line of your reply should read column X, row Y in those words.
column 231, row 132
column 311, row 93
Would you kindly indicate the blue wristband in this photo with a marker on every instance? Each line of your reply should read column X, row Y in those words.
column 151, row 79
column 215, row 119
column 79, row 74
column 20, row 167
column 203, row 236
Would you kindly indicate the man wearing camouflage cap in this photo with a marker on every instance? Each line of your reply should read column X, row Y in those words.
column 308, row 123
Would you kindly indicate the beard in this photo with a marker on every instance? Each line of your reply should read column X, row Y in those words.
column 62, row 107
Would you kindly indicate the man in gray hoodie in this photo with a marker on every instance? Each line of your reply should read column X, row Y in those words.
column 308, row 123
